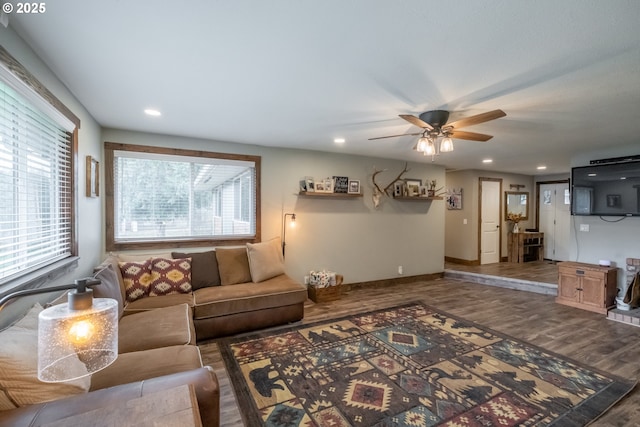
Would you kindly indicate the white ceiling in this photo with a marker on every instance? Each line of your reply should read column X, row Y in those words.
column 298, row 73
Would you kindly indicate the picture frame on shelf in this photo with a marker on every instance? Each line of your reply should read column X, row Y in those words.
column 424, row 191
column 324, row 185
column 341, row 184
column 413, row 187
column 310, row 184
column 354, row 186
column 398, row 189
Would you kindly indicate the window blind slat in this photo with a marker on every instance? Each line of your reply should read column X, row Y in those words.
column 35, row 193
column 160, row 195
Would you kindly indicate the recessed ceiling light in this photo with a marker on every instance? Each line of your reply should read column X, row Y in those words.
column 152, row 112
column 339, row 140
column 487, row 161
column 592, row 174
column 541, row 168
column 623, row 177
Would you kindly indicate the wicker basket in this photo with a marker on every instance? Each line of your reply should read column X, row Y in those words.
column 330, row 293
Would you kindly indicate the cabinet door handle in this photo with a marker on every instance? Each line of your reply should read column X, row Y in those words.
column 579, row 271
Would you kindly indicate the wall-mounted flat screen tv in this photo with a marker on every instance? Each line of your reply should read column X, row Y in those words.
column 611, row 189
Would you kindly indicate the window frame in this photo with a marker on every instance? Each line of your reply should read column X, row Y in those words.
column 43, row 98
column 109, row 158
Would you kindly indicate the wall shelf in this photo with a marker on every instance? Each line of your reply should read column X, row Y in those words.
column 418, row 198
column 329, row 195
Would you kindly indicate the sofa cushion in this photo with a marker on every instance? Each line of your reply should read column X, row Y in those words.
column 265, row 260
column 147, row 364
column 110, row 286
column 233, row 265
column 146, row 304
column 136, row 276
column 113, row 260
column 170, row 276
column 223, row 300
column 161, row 327
column 19, row 366
column 204, row 268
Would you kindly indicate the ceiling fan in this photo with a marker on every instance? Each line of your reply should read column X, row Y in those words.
column 434, row 125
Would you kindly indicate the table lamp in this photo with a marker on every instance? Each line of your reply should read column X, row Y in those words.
column 74, row 339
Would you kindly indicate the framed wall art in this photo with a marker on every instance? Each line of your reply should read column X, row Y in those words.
column 413, row 187
column 93, row 177
column 454, row 199
column 354, row 186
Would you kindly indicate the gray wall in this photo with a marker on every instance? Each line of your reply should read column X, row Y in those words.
column 461, row 240
column 614, row 241
column 348, row 236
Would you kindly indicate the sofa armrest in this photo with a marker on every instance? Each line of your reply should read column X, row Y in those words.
column 203, row 380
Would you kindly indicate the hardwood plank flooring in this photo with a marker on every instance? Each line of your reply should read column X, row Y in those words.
column 539, row 271
column 581, row 335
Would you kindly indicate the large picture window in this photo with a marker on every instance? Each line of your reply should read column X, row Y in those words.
column 36, row 176
column 165, row 198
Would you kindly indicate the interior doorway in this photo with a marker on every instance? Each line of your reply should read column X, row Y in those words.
column 490, row 238
column 554, row 216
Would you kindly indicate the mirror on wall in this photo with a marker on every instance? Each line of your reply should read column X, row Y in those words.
column 516, row 202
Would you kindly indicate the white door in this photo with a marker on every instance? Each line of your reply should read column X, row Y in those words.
column 554, row 220
column 490, row 221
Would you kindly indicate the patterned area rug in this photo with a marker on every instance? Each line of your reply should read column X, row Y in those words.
column 409, row 366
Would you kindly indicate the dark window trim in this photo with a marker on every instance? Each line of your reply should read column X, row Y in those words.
column 7, row 60
column 112, row 245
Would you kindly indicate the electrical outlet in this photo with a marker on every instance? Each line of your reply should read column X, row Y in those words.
column 464, row 221
column 399, row 269
column 584, row 227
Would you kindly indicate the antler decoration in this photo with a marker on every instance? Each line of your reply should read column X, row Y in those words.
column 405, row 170
column 379, row 192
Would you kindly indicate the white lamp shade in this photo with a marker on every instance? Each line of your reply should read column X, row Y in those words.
column 422, row 144
column 446, row 145
column 431, row 149
column 76, row 343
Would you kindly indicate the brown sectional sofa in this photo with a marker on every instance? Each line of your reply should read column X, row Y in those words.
column 234, row 290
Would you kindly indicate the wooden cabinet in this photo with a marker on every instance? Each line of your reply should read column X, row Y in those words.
column 526, row 246
column 587, row 286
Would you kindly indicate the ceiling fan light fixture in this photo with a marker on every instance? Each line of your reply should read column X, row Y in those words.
column 423, row 143
column 446, row 145
column 431, row 149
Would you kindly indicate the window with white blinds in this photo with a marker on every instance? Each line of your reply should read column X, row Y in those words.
column 161, row 196
column 36, row 187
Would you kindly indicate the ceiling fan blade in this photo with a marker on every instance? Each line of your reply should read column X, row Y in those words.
column 416, row 121
column 394, row 136
column 477, row 119
column 471, row 136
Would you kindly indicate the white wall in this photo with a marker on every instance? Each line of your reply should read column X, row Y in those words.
column 614, row 241
column 348, row 236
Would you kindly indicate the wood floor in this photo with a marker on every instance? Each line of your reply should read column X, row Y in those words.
column 539, row 271
column 584, row 336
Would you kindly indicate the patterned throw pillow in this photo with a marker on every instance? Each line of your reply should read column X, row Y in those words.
column 170, row 276
column 136, row 276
